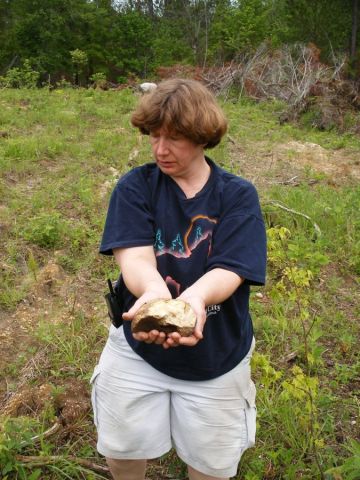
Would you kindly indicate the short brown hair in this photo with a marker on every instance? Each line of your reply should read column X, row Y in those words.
column 182, row 106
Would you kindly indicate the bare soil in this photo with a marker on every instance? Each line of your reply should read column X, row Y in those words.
column 293, row 162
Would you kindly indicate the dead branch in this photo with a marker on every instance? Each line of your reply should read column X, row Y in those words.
column 48, row 460
column 51, row 431
column 287, row 74
column 290, row 181
column 295, row 212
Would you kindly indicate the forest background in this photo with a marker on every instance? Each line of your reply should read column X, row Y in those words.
column 120, row 39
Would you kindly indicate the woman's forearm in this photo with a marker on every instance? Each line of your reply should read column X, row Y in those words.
column 138, row 268
column 214, row 287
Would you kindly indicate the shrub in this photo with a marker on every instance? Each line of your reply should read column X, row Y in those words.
column 98, row 80
column 45, row 230
column 24, row 77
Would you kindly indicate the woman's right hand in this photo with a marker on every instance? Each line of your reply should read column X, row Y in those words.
column 154, row 336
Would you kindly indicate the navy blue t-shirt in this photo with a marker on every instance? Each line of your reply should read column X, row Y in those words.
column 221, row 227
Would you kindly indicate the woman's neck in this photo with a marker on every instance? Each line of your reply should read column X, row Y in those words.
column 195, row 179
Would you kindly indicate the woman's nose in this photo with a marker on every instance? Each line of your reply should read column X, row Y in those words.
column 162, row 146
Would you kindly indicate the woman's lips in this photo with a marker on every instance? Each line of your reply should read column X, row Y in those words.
column 165, row 164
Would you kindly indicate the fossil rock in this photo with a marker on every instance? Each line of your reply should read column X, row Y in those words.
column 166, row 316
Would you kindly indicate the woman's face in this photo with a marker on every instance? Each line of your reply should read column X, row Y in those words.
column 175, row 154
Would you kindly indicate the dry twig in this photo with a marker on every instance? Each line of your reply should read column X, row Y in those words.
column 48, row 460
column 295, row 212
column 51, row 431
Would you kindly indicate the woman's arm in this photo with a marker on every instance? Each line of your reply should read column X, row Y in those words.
column 138, row 267
column 141, row 277
column 213, row 287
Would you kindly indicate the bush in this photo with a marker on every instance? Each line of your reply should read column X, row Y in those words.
column 24, row 77
column 45, row 230
column 98, row 80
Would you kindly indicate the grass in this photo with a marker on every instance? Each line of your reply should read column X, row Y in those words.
column 60, row 155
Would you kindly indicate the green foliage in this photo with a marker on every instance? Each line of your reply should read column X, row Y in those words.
column 327, row 25
column 14, row 434
column 135, row 38
column 9, row 294
column 292, row 397
column 238, row 26
column 350, row 470
column 24, row 77
column 45, row 230
column 340, row 237
column 131, row 53
column 79, row 59
column 32, row 265
column 98, row 79
column 16, row 437
column 71, row 343
column 351, row 467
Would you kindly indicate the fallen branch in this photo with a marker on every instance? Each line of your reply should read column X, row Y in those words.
column 290, row 181
column 48, row 433
column 295, row 212
column 290, row 357
column 46, row 460
column 231, row 140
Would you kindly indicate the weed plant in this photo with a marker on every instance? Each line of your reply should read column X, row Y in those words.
column 61, row 153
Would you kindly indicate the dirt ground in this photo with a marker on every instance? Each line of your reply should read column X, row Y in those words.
column 287, row 164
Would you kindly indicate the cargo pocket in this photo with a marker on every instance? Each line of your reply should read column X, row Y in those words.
column 250, row 413
column 93, row 393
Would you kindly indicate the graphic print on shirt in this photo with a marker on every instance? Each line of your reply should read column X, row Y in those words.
column 173, row 285
column 200, row 230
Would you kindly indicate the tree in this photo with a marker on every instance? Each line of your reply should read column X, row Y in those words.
column 80, row 61
column 237, row 26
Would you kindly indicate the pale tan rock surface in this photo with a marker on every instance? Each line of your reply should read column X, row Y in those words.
column 166, row 316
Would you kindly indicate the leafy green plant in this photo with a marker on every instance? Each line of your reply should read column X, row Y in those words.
column 23, row 77
column 14, row 433
column 45, row 230
column 98, row 79
column 79, row 59
column 350, row 470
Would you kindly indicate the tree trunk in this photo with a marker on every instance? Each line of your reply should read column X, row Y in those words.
column 150, row 7
column 355, row 15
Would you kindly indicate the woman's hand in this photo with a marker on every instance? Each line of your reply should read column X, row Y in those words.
column 198, row 305
column 173, row 339
column 154, row 336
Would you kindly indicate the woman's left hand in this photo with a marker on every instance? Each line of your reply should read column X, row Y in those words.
column 198, row 305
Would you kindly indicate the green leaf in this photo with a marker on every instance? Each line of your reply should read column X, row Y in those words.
column 35, row 475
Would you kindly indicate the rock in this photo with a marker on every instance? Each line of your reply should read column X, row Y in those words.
column 147, row 87
column 166, row 316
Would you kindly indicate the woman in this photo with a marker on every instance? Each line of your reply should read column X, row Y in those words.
column 181, row 228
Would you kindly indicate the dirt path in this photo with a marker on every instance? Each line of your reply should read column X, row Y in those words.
column 287, row 163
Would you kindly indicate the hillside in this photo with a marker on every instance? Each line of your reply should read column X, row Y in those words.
column 61, row 153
